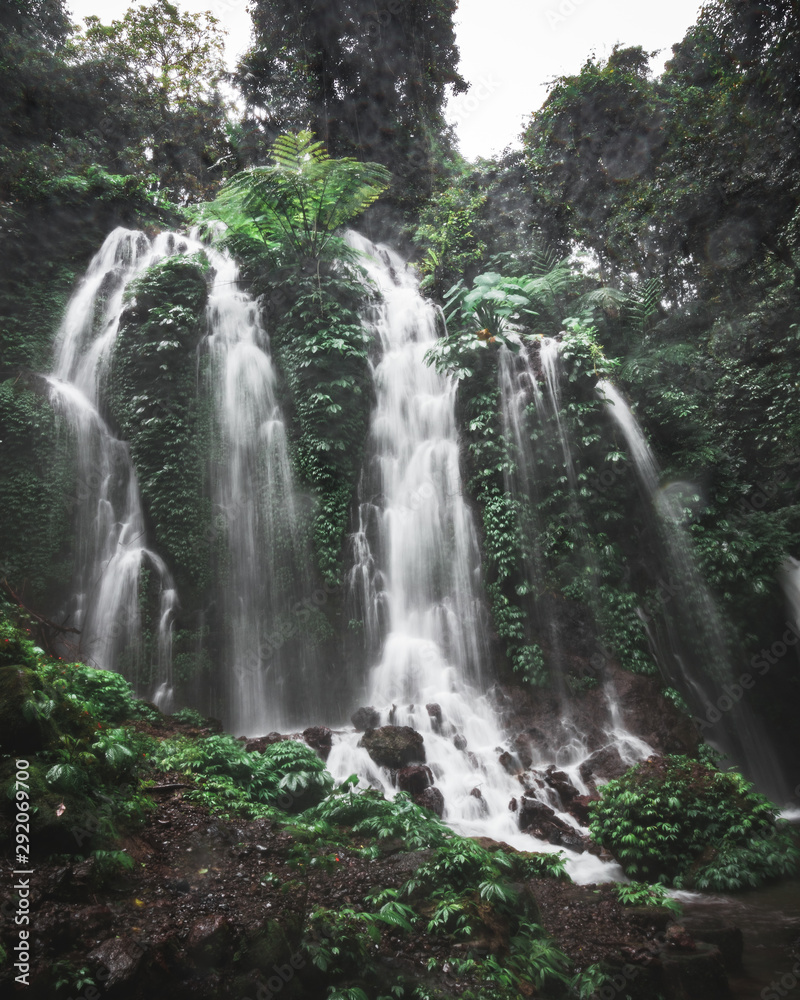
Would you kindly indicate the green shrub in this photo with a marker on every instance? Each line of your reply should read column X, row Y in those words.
column 677, row 821
column 288, row 775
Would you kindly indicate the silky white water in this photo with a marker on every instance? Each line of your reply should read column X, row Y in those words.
column 696, row 630
column 263, row 564
column 110, row 550
column 415, row 585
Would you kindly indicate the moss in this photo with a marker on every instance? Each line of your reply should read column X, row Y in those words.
column 154, row 400
column 35, row 492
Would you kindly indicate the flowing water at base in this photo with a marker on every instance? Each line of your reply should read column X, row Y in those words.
column 769, row 919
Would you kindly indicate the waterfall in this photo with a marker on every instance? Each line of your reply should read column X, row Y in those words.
column 110, row 550
column 263, row 571
column 414, row 582
column 695, row 655
column 268, row 665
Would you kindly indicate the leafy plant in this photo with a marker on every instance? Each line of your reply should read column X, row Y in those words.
column 293, row 207
column 677, row 821
column 645, row 894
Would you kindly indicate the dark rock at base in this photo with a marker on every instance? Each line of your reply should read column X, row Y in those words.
column 394, row 746
column 431, row 799
column 414, row 779
column 364, row 719
column 260, row 743
column 579, row 807
column 208, row 939
column 727, row 937
column 694, row 975
column 88, row 922
column 561, row 784
column 539, row 819
column 678, row 937
column 605, row 763
column 460, row 742
column 121, row 957
column 268, row 944
column 319, row 738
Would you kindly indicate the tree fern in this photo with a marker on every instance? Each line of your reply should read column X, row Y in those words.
column 292, row 207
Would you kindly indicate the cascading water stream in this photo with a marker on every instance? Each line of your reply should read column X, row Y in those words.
column 415, row 585
column 110, row 553
column 268, row 665
column 264, row 563
column 695, row 657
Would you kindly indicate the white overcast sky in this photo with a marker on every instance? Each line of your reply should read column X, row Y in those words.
column 510, row 49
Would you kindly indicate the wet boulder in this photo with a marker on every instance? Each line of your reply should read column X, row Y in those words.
column 435, row 713
column 414, row 779
column 717, row 931
column 579, row 808
column 560, row 783
column 522, row 748
column 319, row 738
column 460, row 742
column 605, row 763
column 364, row 719
column 209, row 939
column 431, row 798
column 121, row 957
column 541, row 821
column 394, row 746
column 694, row 973
column 260, row 743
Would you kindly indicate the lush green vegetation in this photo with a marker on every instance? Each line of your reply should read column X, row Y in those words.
column 677, row 821
column 649, row 223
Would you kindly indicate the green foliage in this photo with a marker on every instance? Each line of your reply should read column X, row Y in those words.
column 533, row 958
column 162, row 71
column 101, row 693
column 292, row 208
column 281, row 223
column 459, row 864
column 190, row 717
column 371, row 80
column 340, row 942
column 287, row 776
column 155, row 401
column 368, row 813
column 645, row 894
column 322, row 348
column 34, row 490
column 676, row 821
